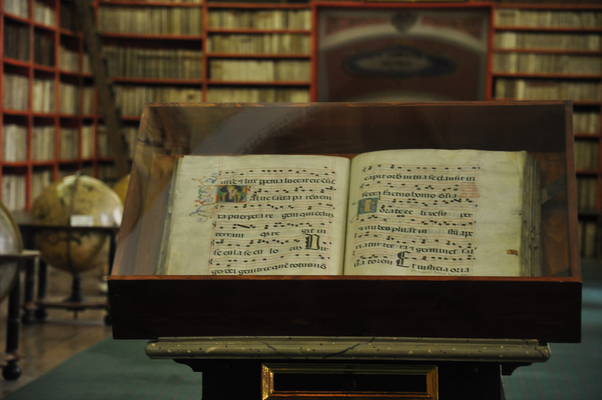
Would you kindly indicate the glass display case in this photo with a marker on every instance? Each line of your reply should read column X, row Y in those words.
column 148, row 302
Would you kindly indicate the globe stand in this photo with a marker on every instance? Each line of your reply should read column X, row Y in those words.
column 76, row 290
column 75, row 302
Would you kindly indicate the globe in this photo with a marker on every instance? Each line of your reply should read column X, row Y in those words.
column 10, row 243
column 121, row 187
column 76, row 200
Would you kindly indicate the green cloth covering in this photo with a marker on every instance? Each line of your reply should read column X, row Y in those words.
column 114, row 370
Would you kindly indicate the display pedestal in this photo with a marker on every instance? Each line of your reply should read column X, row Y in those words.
column 257, row 367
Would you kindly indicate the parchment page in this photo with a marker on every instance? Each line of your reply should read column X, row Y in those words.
column 257, row 214
column 435, row 212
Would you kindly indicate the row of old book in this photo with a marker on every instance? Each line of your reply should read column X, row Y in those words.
column 536, row 89
column 153, row 63
column 586, row 122
column 43, row 48
column 548, row 40
column 150, row 20
column 258, row 44
column 131, row 98
column 74, row 142
column 16, row 41
column 69, row 60
column 259, row 19
column 14, row 185
column 532, row 63
column 588, row 238
column 42, row 11
column 260, row 70
column 259, row 95
column 586, row 155
column 16, row 46
column 587, row 193
column 547, row 18
column 74, row 99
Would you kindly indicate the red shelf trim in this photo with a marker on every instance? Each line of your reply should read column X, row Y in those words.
column 253, row 55
column 149, row 4
column 67, row 32
column 407, row 4
column 305, row 6
column 548, row 6
column 23, row 113
column 45, row 68
column 259, row 83
column 546, row 29
column 18, row 18
column 150, row 37
column 158, row 81
column 15, row 164
column 257, row 31
column 43, row 163
column 40, row 25
column 17, row 63
column 549, row 51
column 75, row 73
column 545, row 75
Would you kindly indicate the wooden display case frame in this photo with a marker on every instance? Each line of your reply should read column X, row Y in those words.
column 546, row 308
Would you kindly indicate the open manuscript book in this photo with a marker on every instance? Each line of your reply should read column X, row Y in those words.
column 393, row 212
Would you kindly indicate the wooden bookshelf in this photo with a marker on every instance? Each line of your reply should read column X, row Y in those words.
column 44, row 133
column 235, row 37
column 553, row 52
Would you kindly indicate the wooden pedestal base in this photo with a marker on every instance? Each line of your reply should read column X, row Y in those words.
column 300, row 368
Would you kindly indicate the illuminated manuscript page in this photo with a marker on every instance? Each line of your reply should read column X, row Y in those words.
column 257, row 215
column 435, row 212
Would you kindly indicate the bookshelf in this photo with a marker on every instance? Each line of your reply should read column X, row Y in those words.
column 48, row 104
column 230, row 51
column 555, row 52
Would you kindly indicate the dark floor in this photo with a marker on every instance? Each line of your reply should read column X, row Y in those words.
column 45, row 345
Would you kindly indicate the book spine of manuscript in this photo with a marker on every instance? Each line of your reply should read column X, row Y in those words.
column 42, row 143
column 260, row 44
column 548, row 41
column 69, row 139
column 17, row 7
column 586, row 122
column 13, row 191
column 548, row 18
column 43, row 13
column 260, row 19
column 39, row 181
column 586, row 155
column 586, row 193
column 228, row 95
column 547, row 63
column 15, row 92
column 16, row 41
column 260, row 70
column 132, row 99
column 153, row 63
column 150, row 20
column 15, row 143
column 536, row 89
